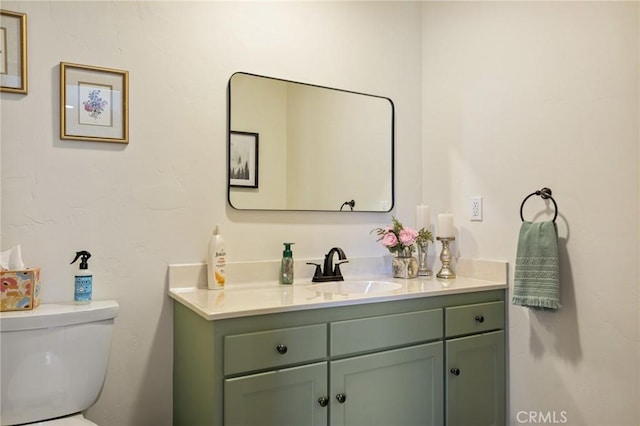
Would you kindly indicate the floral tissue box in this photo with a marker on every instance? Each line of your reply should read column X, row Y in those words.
column 20, row 290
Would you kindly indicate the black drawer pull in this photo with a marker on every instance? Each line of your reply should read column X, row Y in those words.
column 479, row 318
column 455, row 371
column 282, row 349
column 341, row 398
column 323, row 401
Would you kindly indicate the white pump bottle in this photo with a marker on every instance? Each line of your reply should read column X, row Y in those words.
column 216, row 261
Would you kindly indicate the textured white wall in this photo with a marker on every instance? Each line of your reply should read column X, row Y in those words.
column 515, row 97
column 522, row 95
column 140, row 207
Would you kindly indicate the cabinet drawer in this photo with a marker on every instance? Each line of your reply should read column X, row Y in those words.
column 366, row 334
column 274, row 348
column 476, row 318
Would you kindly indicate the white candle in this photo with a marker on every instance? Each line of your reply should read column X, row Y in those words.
column 445, row 225
column 423, row 217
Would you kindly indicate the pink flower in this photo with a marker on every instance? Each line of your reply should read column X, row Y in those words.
column 10, row 283
column 408, row 236
column 398, row 238
column 389, row 239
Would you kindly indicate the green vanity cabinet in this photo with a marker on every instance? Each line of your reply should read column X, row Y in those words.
column 475, row 365
column 384, row 363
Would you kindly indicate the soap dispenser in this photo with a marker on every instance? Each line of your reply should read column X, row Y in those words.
column 286, row 268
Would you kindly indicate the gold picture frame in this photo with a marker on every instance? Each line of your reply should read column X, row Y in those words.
column 13, row 52
column 94, row 103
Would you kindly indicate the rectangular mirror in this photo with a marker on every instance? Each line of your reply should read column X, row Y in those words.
column 297, row 146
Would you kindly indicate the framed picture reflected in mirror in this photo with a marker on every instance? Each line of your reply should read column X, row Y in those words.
column 243, row 159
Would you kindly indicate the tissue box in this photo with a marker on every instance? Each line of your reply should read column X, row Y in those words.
column 20, row 290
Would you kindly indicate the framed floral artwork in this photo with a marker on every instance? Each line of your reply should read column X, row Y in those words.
column 94, row 103
column 243, row 159
column 13, row 52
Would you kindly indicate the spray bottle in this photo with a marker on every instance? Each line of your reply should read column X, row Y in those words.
column 83, row 284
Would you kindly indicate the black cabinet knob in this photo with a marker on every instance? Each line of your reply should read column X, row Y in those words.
column 282, row 349
column 323, row 401
column 479, row 318
column 455, row 371
column 341, row 398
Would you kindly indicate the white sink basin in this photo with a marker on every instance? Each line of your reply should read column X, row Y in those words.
column 355, row 287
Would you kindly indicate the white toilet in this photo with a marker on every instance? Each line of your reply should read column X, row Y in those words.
column 53, row 362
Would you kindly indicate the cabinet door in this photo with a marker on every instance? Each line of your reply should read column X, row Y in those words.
column 288, row 397
column 475, row 380
column 400, row 387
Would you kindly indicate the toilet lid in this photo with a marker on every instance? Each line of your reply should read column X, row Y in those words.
column 75, row 420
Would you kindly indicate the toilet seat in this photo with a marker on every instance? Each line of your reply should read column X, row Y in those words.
column 74, row 420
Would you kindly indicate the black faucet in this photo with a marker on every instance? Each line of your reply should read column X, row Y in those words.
column 331, row 272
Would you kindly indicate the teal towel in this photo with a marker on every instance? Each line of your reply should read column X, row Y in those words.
column 537, row 283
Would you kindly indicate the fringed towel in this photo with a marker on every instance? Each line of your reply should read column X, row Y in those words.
column 537, row 283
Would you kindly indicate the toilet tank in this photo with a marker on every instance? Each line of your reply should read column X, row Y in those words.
column 53, row 360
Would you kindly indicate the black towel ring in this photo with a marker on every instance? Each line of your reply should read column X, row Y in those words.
column 545, row 193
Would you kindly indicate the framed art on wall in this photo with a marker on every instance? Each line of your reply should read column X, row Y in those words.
column 13, row 52
column 94, row 103
column 243, row 159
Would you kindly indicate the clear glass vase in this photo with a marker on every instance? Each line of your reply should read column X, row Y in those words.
column 423, row 268
column 404, row 264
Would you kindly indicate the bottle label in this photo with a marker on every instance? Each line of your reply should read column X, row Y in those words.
column 220, row 265
column 287, row 270
column 83, row 288
column 220, row 275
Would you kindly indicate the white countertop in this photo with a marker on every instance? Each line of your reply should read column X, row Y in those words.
column 255, row 298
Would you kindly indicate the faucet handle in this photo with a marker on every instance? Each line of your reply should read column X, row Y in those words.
column 318, row 272
column 336, row 270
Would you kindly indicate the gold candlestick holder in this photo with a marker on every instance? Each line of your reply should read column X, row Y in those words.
column 445, row 257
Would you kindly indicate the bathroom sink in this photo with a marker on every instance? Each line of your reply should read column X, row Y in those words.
column 355, row 287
